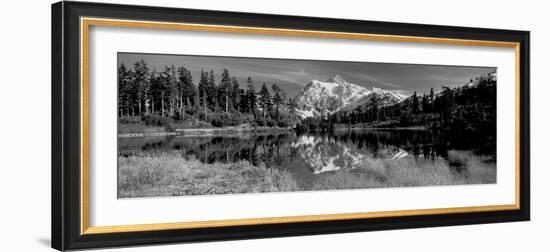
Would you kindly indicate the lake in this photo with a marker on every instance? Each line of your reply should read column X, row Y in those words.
column 388, row 157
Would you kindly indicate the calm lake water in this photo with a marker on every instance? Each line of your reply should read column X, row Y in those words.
column 306, row 156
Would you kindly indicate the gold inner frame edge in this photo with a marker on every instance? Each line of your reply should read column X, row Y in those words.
column 85, row 24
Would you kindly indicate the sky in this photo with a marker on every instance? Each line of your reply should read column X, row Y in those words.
column 293, row 74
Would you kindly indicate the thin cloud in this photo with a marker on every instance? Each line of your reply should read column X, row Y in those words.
column 375, row 82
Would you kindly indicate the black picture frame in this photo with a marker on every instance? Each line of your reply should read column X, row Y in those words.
column 66, row 114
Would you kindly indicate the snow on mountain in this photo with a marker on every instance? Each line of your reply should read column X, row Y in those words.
column 380, row 96
column 392, row 94
column 319, row 98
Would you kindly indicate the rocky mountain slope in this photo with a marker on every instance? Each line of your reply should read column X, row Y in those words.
column 320, row 98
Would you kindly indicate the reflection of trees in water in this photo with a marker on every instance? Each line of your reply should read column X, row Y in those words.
column 268, row 149
column 276, row 149
column 417, row 143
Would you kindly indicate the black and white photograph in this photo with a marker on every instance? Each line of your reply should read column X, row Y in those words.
column 201, row 125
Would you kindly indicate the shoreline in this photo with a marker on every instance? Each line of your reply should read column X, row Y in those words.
column 210, row 132
column 205, row 132
column 421, row 128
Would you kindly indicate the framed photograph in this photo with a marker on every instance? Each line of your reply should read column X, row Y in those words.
column 180, row 125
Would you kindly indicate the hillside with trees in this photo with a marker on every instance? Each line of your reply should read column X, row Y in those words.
column 170, row 99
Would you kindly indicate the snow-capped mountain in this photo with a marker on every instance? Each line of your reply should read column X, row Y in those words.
column 319, row 98
column 380, row 96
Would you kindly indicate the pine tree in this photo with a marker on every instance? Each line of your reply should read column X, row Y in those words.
column 425, row 104
column 164, row 80
column 180, row 86
column 265, row 100
column 251, row 96
column 141, row 80
column 123, row 90
column 415, row 109
column 187, row 87
column 155, row 90
column 203, row 87
column 225, row 88
column 212, row 91
column 234, row 94
column 446, row 105
column 243, row 101
column 277, row 98
column 173, row 89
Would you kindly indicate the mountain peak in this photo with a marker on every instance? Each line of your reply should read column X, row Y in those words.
column 336, row 78
column 320, row 98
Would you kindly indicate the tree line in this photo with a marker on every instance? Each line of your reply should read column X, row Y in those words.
column 217, row 99
column 439, row 110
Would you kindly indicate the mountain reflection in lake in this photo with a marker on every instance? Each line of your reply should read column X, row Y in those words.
column 311, row 158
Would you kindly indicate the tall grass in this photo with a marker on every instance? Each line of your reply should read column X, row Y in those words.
column 462, row 168
column 169, row 174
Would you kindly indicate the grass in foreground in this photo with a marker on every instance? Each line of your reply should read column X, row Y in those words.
column 463, row 168
column 169, row 174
